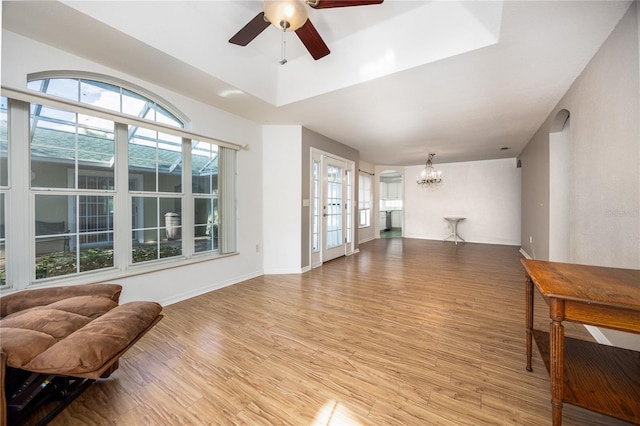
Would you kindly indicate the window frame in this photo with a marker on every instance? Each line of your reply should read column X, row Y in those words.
column 365, row 198
column 212, row 227
column 25, row 271
column 107, row 79
column 4, row 197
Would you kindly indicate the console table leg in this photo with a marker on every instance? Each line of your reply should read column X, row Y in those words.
column 529, row 320
column 556, row 349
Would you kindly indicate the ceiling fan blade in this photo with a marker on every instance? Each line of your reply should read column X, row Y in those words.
column 326, row 4
column 250, row 31
column 312, row 41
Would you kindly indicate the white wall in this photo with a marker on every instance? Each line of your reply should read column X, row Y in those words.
column 282, row 203
column 487, row 193
column 21, row 56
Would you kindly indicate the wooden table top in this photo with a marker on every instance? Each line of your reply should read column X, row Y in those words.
column 614, row 287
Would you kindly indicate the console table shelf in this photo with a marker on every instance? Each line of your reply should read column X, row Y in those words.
column 591, row 368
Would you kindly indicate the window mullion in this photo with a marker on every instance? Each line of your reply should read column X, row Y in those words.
column 188, row 235
column 20, row 249
column 122, row 202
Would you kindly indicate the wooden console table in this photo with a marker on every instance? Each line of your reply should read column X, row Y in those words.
column 601, row 378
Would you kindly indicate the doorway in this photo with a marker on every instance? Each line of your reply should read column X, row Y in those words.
column 333, row 209
column 332, row 205
column 391, row 204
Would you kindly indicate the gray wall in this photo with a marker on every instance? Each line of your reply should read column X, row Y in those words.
column 604, row 181
column 311, row 139
column 604, row 196
column 534, row 161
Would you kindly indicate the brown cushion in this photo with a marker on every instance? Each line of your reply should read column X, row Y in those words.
column 21, row 345
column 97, row 343
column 89, row 306
column 58, row 324
column 19, row 301
column 79, row 332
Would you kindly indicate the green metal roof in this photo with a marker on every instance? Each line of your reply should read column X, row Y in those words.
column 93, row 149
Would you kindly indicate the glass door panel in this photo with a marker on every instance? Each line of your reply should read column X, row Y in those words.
column 334, row 209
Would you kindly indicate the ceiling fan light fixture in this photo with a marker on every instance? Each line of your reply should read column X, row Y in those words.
column 286, row 15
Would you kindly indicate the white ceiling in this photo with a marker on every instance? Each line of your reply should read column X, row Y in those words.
column 404, row 78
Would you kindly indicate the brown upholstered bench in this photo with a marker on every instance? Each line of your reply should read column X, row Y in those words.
column 64, row 337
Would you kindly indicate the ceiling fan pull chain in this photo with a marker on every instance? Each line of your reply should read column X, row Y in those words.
column 284, row 59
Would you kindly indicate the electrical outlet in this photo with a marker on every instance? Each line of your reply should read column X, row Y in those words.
column 530, row 239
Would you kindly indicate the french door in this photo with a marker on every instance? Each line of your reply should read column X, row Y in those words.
column 334, row 209
column 332, row 218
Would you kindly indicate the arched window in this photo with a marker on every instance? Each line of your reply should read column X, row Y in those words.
column 108, row 93
column 114, row 186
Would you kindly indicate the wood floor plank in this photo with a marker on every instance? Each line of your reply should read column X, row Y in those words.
column 406, row 332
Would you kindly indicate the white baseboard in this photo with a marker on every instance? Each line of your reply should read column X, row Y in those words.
column 202, row 290
column 597, row 334
column 525, row 254
column 283, row 271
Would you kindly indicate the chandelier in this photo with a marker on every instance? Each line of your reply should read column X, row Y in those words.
column 429, row 176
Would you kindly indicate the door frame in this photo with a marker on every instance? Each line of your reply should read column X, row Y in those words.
column 380, row 173
column 316, row 256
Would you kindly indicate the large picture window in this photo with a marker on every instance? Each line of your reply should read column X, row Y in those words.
column 66, row 242
column 204, row 181
column 72, row 167
column 156, row 159
column 108, row 193
column 156, row 230
column 64, row 141
column 364, row 200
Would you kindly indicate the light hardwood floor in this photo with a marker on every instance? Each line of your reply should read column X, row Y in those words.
column 407, row 332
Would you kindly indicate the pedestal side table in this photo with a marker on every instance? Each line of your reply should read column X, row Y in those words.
column 453, row 224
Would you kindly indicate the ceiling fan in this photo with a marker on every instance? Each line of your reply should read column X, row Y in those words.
column 293, row 15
